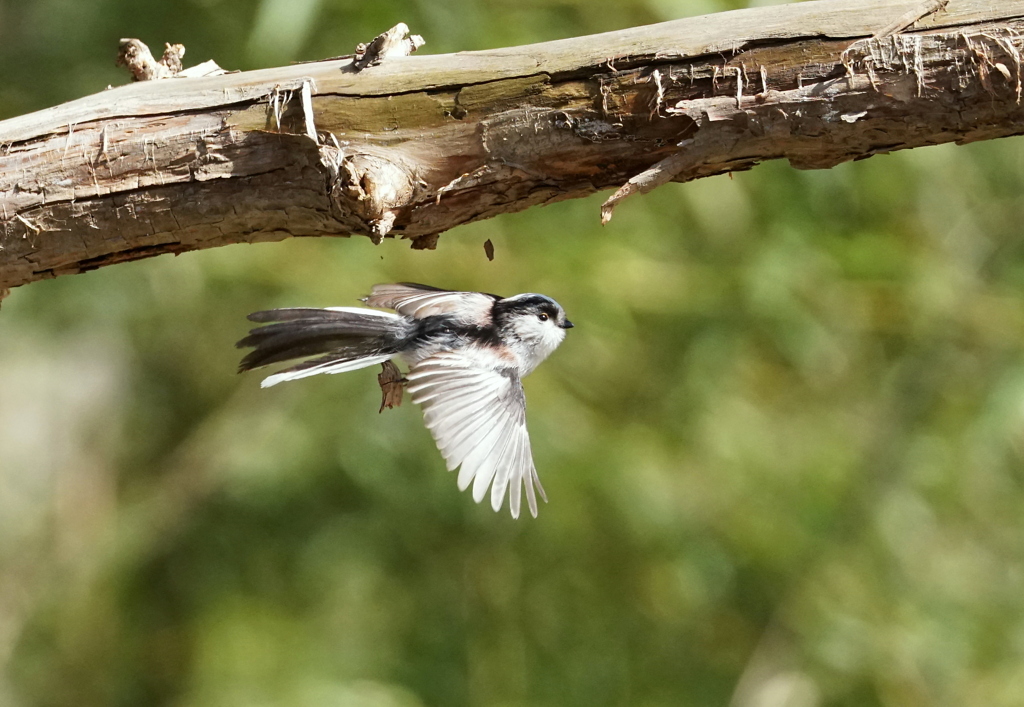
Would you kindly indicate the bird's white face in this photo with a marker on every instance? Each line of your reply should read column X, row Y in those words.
column 538, row 335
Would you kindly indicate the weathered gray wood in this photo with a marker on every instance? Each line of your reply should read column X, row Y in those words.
column 419, row 144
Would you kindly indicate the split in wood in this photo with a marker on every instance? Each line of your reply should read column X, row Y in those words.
column 395, row 42
column 307, row 110
column 136, row 55
column 392, row 386
column 909, row 19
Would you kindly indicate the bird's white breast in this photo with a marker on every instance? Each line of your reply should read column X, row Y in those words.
column 534, row 341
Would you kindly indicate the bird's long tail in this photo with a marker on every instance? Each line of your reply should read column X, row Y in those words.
column 340, row 339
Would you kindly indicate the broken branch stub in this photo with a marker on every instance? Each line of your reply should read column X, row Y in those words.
column 395, row 42
column 418, row 146
column 136, row 56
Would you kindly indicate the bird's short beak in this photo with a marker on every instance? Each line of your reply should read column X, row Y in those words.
column 567, row 325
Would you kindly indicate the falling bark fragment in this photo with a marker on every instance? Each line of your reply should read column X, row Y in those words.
column 425, row 242
column 392, row 386
column 395, row 42
column 489, row 249
column 136, row 55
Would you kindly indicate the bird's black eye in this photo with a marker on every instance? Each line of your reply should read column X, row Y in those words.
column 543, row 317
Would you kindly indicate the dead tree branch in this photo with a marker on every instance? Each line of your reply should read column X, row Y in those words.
column 418, row 144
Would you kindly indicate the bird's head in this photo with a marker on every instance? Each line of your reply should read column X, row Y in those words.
column 536, row 321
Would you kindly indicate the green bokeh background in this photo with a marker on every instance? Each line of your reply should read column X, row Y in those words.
column 784, row 445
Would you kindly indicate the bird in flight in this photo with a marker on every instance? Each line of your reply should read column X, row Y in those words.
column 467, row 353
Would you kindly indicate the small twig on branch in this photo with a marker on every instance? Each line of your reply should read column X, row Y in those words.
column 660, row 173
column 136, row 55
column 395, row 42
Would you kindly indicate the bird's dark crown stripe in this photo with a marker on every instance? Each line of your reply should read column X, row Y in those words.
column 530, row 300
column 527, row 303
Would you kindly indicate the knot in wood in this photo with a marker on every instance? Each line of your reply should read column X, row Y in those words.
column 373, row 187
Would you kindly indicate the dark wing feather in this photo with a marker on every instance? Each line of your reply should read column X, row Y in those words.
column 298, row 347
column 289, row 314
column 342, row 333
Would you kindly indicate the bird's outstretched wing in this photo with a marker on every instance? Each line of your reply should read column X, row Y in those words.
column 418, row 301
column 476, row 411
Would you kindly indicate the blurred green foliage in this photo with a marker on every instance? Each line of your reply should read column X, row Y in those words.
column 784, row 445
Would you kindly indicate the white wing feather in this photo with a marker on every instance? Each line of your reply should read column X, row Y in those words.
column 476, row 411
column 418, row 301
column 329, row 367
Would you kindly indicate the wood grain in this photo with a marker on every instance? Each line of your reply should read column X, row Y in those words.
column 419, row 144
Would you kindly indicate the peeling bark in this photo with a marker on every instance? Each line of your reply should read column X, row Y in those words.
column 416, row 145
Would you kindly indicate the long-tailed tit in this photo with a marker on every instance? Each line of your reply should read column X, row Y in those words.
column 467, row 353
